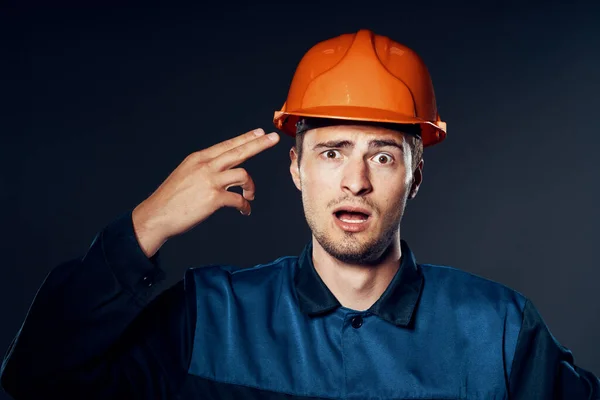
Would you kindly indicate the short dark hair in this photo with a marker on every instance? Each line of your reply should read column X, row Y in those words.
column 411, row 131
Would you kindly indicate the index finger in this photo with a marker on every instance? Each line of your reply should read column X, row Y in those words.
column 238, row 155
column 220, row 148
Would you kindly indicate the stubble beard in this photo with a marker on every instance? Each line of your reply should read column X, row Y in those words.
column 351, row 249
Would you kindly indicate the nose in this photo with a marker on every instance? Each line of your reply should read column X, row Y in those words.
column 355, row 179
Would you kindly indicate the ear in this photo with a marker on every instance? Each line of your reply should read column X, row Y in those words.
column 417, row 179
column 294, row 168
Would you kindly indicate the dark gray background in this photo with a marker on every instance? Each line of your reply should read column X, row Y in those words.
column 101, row 103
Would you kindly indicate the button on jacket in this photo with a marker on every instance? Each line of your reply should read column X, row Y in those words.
column 100, row 328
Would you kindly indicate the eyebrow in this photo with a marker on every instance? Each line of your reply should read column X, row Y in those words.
column 373, row 144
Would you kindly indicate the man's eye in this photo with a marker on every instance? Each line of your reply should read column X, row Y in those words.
column 384, row 158
column 331, row 153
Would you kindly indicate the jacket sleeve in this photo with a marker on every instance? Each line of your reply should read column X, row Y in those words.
column 544, row 369
column 98, row 329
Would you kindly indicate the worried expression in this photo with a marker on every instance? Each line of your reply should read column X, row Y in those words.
column 355, row 181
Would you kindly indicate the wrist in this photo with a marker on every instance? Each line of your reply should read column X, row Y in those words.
column 147, row 231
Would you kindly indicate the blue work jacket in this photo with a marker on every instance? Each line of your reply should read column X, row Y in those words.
column 101, row 327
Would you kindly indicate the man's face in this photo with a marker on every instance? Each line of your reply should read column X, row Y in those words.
column 351, row 166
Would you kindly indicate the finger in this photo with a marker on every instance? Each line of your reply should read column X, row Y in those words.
column 238, row 177
column 235, row 200
column 238, row 155
column 220, row 148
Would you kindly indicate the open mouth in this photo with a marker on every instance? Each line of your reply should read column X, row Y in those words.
column 351, row 217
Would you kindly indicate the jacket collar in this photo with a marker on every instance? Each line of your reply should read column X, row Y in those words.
column 397, row 304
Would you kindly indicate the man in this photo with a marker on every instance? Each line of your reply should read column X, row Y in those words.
column 353, row 317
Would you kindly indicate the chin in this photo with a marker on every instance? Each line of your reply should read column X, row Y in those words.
column 354, row 248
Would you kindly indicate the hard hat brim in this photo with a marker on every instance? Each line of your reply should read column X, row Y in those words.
column 286, row 120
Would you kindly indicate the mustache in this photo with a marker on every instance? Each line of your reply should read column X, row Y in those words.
column 348, row 201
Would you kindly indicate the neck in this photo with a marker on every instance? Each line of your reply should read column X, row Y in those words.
column 357, row 286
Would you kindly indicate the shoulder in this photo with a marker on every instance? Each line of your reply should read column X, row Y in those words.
column 256, row 276
column 469, row 288
column 231, row 290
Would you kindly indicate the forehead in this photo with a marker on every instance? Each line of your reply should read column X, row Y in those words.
column 355, row 133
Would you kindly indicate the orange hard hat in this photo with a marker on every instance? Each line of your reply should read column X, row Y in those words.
column 363, row 77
